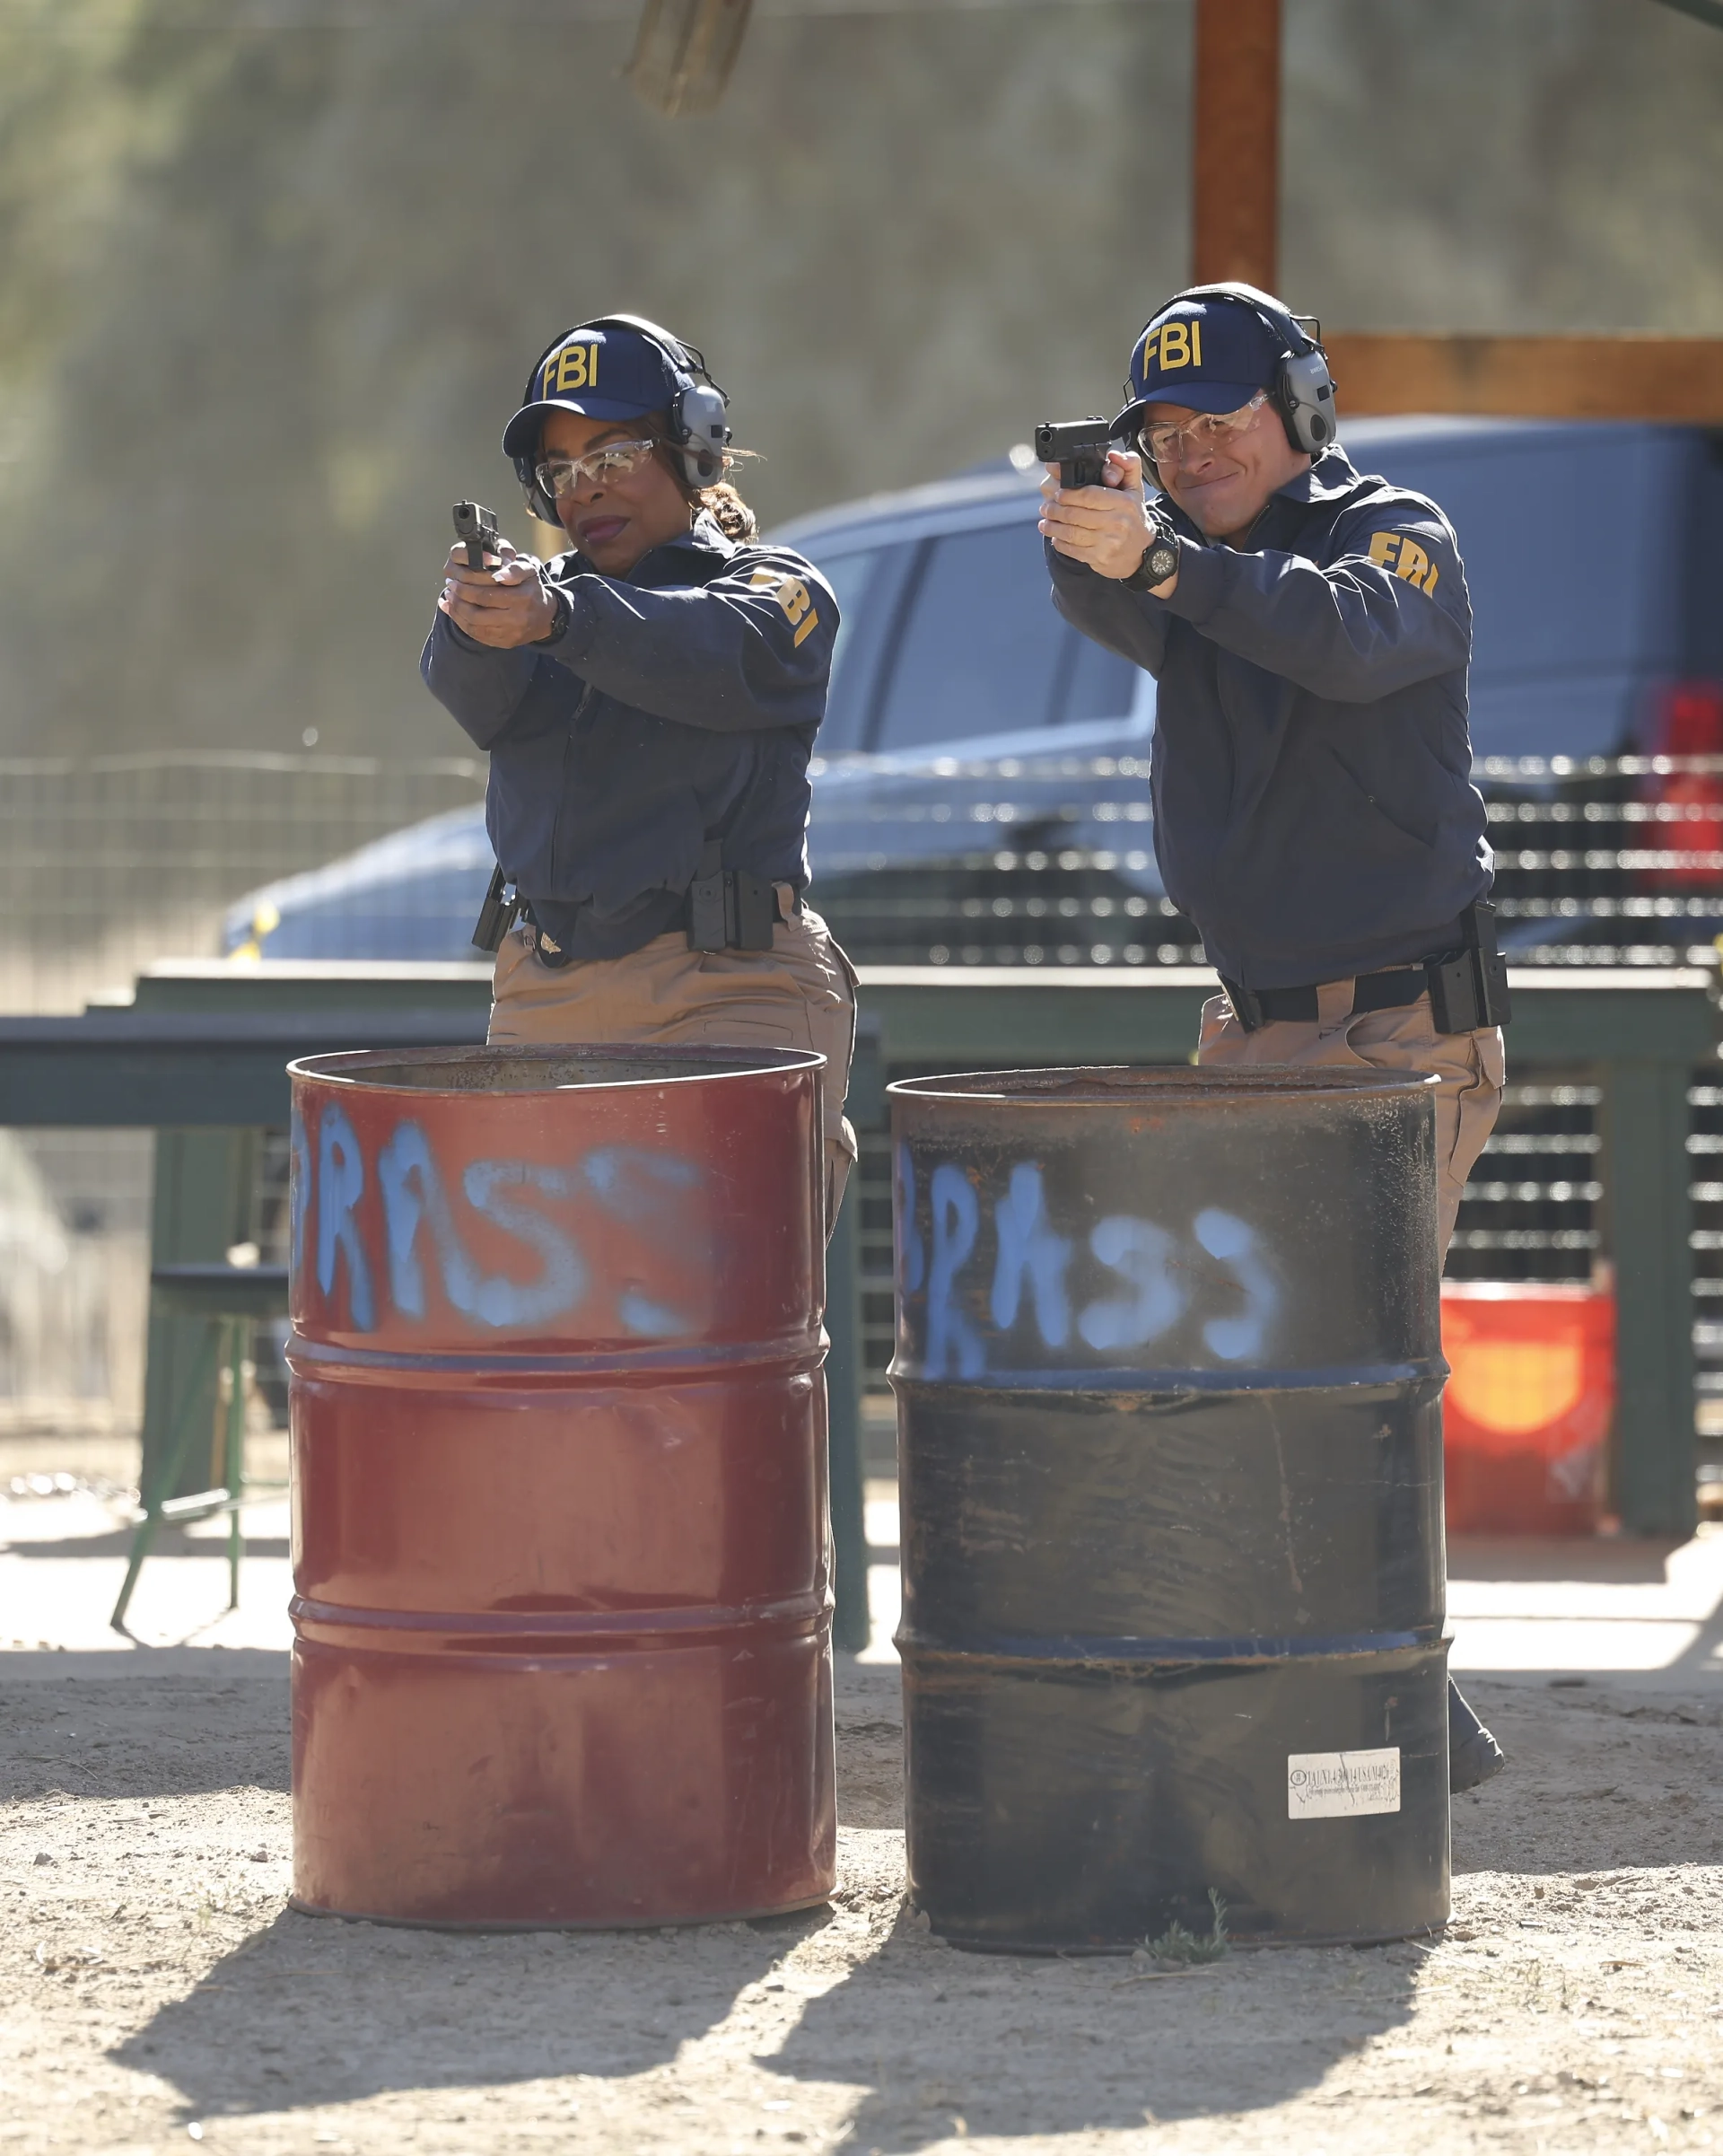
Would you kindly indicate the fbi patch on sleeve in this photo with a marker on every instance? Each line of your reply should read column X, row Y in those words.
column 1405, row 556
column 793, row 596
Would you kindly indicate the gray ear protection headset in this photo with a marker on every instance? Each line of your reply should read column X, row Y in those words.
column 698, row 428
column 1303, row 391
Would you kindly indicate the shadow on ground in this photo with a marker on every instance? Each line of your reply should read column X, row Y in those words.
column 312, row 2012
column 139, row 1734
column 315, row 2010
column 1598, row 1559
column 170, row 1541
column 952, row 2043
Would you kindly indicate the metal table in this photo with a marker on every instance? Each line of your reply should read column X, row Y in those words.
column 199, row 1058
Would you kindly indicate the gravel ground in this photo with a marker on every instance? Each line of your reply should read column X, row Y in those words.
column 155, row 1986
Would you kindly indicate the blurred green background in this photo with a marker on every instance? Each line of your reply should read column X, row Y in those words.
column 275, row 270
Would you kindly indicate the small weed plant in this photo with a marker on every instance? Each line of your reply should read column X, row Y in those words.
column 1185, row 1949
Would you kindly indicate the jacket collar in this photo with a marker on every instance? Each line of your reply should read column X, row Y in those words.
column 1330, row 477
column 665, row 563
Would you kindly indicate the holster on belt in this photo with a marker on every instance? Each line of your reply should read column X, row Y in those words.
column 497, row 915
column 730, row 908
column 1468, row 988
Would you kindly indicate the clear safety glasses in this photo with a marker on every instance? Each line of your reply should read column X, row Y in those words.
column 559, row 476
column 1165, row 444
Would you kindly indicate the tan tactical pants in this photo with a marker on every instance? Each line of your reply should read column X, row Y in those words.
column 798, row 994
column 1470, row 1066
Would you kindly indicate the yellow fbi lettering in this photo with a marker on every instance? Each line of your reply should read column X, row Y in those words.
column 793, row 596
column 574, row 367
column 1179, row 345
column 1399, row 551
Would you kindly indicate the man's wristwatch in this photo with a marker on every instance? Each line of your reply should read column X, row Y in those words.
column 1159, row 556
column 559, row 624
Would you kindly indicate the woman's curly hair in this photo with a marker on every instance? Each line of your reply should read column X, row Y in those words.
column 721, row 501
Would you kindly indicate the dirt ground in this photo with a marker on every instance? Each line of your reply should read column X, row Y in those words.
column 155, row 1986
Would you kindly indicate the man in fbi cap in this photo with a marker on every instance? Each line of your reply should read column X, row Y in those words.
column 1309, row 630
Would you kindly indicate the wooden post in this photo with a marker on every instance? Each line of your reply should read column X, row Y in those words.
column 1633, row 376
column 1237, row 131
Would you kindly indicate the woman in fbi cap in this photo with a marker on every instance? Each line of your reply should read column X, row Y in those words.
column 649, row 700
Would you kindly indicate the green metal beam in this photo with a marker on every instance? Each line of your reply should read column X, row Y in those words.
column 951, row 1020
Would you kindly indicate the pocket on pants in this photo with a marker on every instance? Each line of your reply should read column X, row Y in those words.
column 1479, row 1103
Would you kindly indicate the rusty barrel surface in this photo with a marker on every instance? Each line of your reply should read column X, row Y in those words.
column 562, row 1606
column 1168, row 1377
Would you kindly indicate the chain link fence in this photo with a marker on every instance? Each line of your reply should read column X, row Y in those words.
column 108, row 864
column 110, row 861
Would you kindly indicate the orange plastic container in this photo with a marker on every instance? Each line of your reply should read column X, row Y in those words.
column 1526, row 1413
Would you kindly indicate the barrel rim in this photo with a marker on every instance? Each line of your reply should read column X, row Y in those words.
column 1136, row 1085
column 348, row 1067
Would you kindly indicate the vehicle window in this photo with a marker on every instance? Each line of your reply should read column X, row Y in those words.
column 849, row 576
column 855, row 578
column 1102, row 686
column 981, row 652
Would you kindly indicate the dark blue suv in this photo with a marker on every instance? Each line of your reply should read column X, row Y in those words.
column 981, row 790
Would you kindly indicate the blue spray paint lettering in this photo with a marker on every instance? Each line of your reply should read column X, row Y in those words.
column 645, row 1190
column 911, row 1257
column 413, row 1194
column 956, row 1219
column 298, row 1192
column 1143, row 1254
column 340, row 1185
column 1223, row 1235
column 413, row 1197
column 638, row 1187
column 489, row 1185
column 1027, row 1245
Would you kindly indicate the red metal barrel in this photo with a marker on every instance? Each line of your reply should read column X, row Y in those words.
column 562, row 1605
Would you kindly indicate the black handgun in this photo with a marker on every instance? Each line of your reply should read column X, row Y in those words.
column 1078, row 447
column 477, row 527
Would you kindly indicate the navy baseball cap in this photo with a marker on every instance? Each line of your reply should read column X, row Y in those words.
column 1209, row 354
column 613, row 373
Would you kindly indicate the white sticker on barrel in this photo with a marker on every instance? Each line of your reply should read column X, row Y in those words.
column 1334, row 1785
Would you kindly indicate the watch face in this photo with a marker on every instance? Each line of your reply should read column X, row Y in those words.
column 1163, row 560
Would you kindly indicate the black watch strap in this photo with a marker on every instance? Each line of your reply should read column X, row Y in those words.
column 559, row 624
column 1159, row 556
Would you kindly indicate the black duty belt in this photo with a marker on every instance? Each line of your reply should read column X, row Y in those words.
column 1467, row 986
column 1389, row 991
column 723, row 909
column 740, row 917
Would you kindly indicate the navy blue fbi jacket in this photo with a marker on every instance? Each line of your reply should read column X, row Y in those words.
column 677, row 706
column 1314, row 809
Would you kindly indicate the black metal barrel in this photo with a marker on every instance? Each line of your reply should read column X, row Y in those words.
column 1168, row 1376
